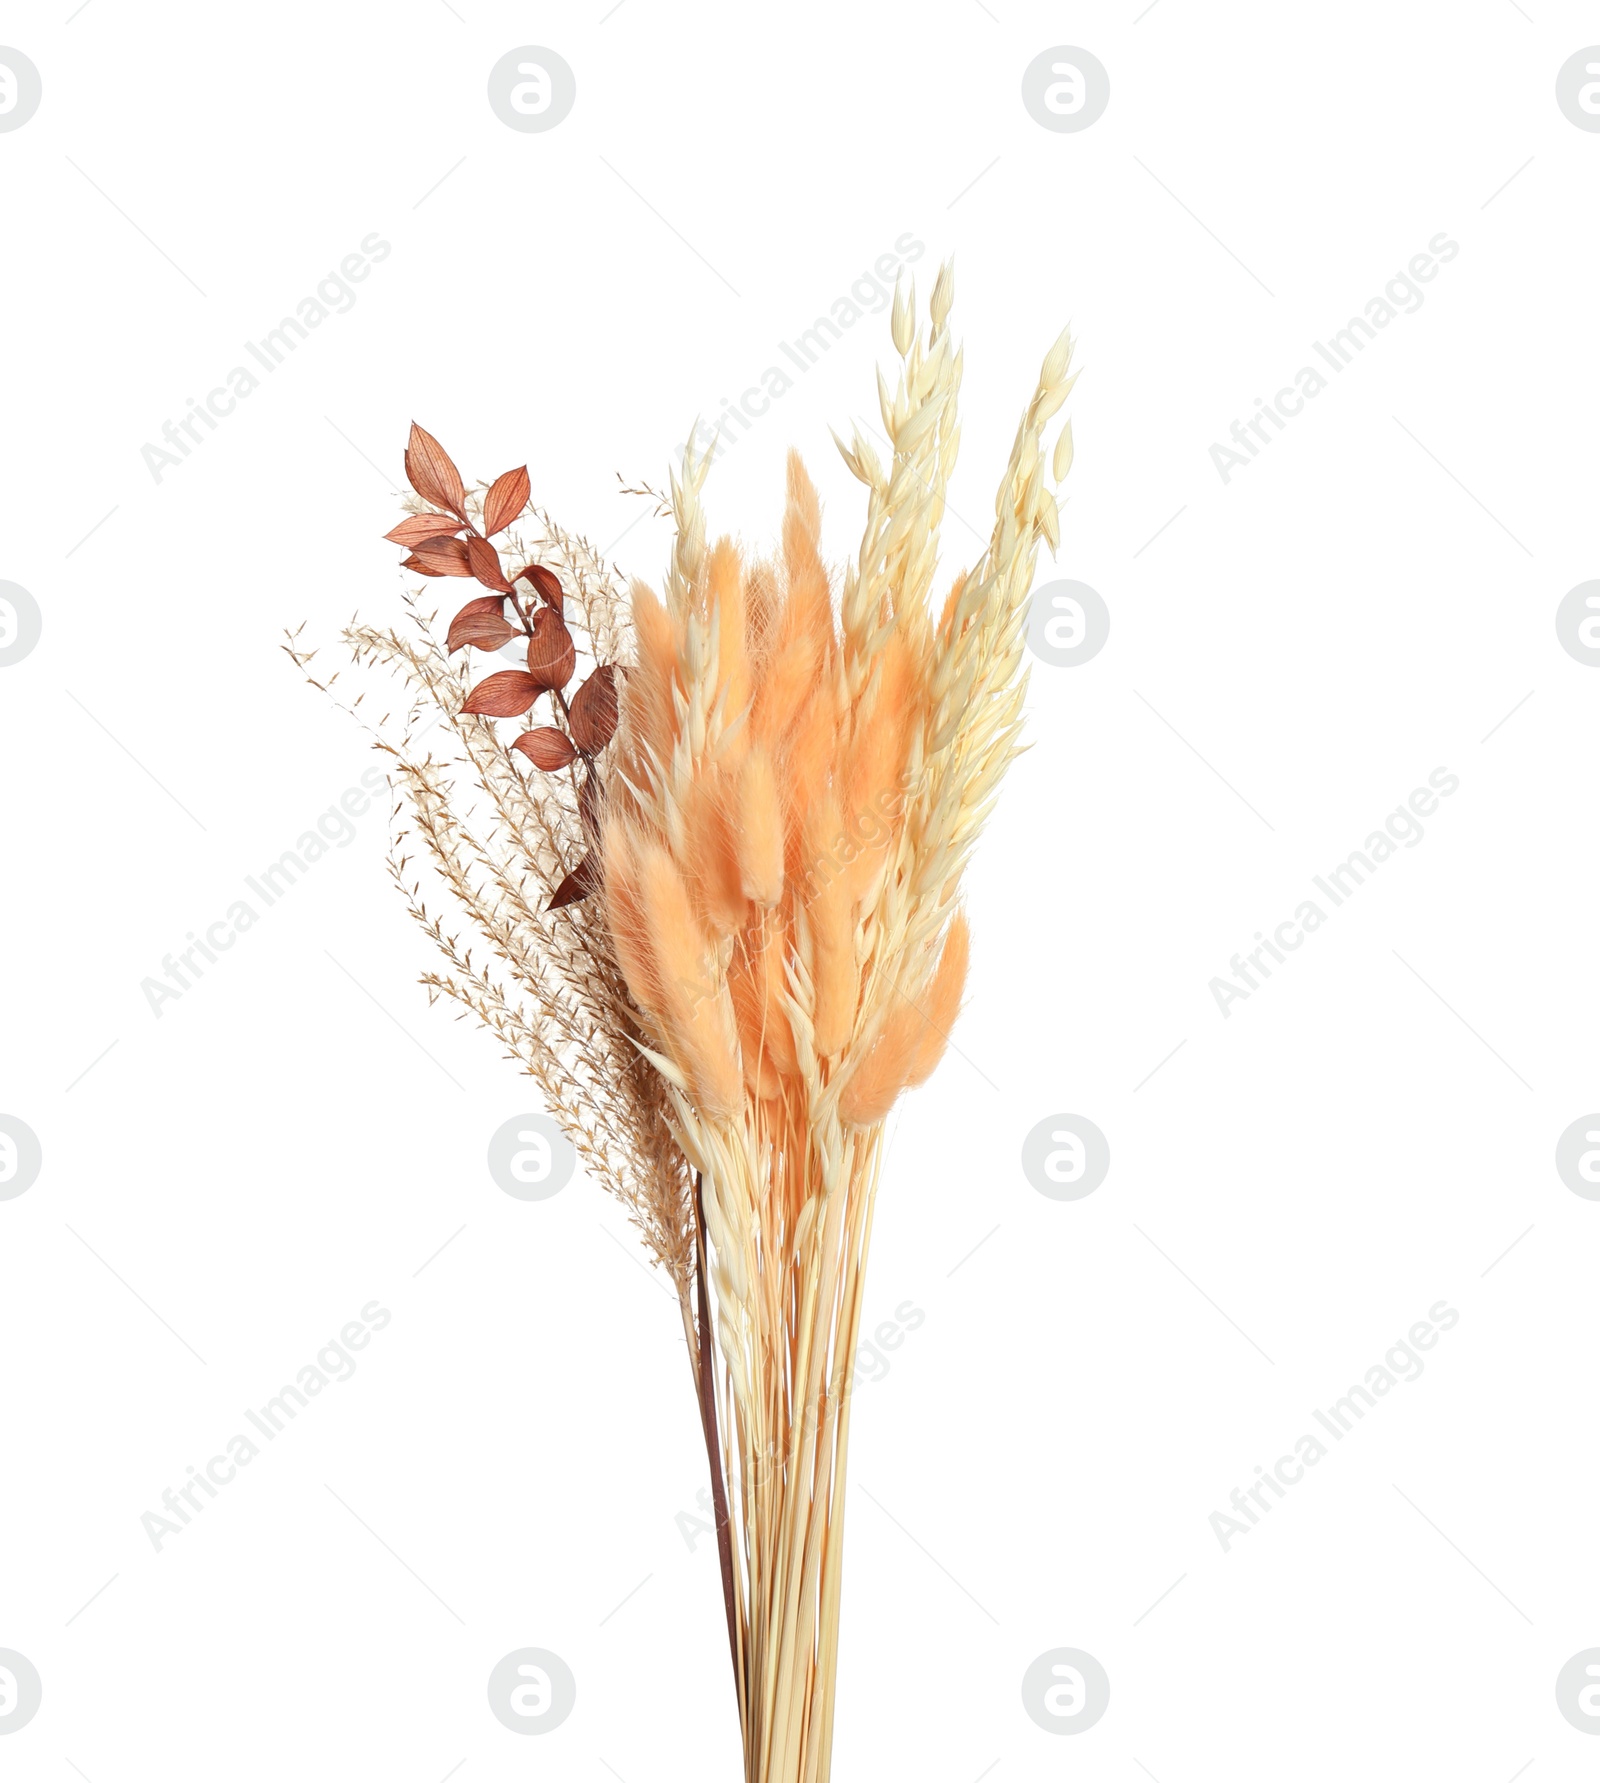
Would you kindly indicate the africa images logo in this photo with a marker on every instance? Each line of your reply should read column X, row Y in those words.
column 1401, row 828
column 1401, row 296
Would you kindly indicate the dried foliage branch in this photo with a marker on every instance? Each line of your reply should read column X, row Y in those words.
column 491, row 845
column 724, row 933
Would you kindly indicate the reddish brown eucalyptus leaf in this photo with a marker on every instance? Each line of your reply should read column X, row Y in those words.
column 507, row 497
column 443, row 557
column 591, row 800
column 432, row 473
column 483, row 603
column 544, row 581
column 578, row 884
column 485, row 564
column 505, row 695
column 483, row 631
column 594, row 711
column 551, row 654
column 417, row 529
column 432, row 567
column 547, row 748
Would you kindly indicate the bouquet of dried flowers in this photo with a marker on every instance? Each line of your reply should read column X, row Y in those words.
column 715, row 890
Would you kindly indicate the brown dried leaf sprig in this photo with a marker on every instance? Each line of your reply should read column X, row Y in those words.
column 590, row 721
column 492, row 841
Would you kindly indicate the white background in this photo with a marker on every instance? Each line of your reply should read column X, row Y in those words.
column 1295, row 652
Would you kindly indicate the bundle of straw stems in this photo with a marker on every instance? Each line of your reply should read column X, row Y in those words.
column 800, row 783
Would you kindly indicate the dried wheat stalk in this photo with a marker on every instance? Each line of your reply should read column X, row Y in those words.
column 726, row 949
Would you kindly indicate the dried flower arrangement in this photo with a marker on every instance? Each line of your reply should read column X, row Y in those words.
column 719, row 891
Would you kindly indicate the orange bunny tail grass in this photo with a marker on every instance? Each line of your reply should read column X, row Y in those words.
column 764, row 1037
column 626, row 920
column 648, row 689
column 763, row 951
column 727, row 599
column 693, row 1002
column 802, row 561
column 830, row 921
column 811, row 753
column 913, row 1039
column 711, row 819
column 941, row 1003
column 876, row 1083
column 758, row 831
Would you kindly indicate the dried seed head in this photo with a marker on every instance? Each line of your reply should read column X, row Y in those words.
column 759, row 830
column 692, row 1009
column 1056, row 360
column 902, row 318
column 830, row 917
column 626, row 919
column 941, row 1002
column 711, row 827
column 913, row 1038
column 944, row 293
